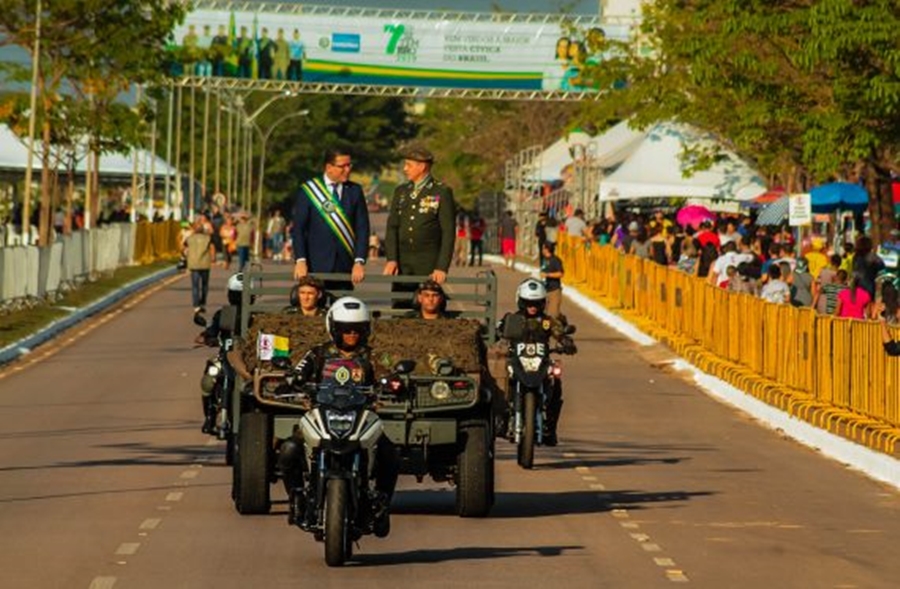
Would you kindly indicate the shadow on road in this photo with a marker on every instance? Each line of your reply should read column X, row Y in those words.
column 143, row 454
column 516, row 505
column 425, row 556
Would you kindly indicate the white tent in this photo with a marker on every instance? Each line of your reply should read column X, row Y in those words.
column 615, row 145
column 14, row 156
column 655, row 170
column 559, row 155
column 607, row 150
column 13, row 152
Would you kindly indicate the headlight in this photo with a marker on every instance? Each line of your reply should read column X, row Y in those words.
column 340, row 424
column 440, row 390
column 531, row 364
column 212, row 370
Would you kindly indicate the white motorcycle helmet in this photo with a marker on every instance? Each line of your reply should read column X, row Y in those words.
column 235, row 288
column 531, row 292
column 348, row 314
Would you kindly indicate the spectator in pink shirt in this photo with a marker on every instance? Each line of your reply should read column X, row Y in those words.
column 853, row 302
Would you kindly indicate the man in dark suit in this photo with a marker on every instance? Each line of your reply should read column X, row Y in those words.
column 331, row 224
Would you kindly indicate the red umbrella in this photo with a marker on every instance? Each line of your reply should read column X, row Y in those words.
column 693, row 215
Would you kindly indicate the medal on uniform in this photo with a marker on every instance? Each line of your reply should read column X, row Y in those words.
column 546, row 324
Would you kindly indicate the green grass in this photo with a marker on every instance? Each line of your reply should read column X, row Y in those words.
column 21, row 324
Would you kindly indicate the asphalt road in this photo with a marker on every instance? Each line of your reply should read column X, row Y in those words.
column 106, row 481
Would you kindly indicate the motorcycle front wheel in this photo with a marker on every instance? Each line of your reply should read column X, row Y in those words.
column 337, row 533
column 526, row 440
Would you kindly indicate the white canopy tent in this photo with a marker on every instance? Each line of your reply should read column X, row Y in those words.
column 14, row 157
column 655, row 170
column 615, row 145
column 559, row 155
column 607, row 150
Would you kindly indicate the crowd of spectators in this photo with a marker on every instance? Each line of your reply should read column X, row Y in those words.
column 734, row 253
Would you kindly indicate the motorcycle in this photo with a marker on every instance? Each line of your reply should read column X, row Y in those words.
column 535, row 387
column 338, row 503
column 216, row 383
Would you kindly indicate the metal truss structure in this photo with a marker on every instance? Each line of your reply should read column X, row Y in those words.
column 290, row 87
column 394, row 13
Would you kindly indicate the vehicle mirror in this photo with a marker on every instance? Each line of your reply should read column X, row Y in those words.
column 405, row 366
column 513, row 326
column 281, row 362
column 199, row 320
column 570, row 329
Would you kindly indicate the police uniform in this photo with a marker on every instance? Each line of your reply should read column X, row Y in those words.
column 542, row 328
column 421, row 225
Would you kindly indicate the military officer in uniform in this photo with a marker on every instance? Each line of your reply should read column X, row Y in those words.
column 421, row 225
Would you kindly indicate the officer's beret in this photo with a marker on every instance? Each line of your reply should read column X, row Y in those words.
column 418, row 154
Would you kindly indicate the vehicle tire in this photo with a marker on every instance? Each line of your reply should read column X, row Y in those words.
column 337, row 525
column 475, row 468
column 252, row 465
column 229, row 449
column 527, row 439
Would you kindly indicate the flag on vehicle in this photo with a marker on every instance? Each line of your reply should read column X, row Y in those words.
column 270, row 346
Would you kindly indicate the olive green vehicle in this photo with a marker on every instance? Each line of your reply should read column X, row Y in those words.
column 439, row 416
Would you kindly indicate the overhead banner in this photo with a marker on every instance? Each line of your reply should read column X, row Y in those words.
column 427, row 49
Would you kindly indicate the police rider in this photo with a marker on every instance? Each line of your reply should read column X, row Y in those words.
column 348, row 322
column 220, row 332
column 531, row 300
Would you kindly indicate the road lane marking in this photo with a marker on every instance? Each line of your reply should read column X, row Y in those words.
column 127, row 548
column 176, row 496
column 663, row 561
column 620, row 513
column 582, row 469
column 150, row 523
column 630, row 525
column 598, row 487
column 640, row 537
column 677, row 576
column 651, row 547
column 102, row 583
column 212, row 442
column 164, row 508
column 589, row 478
column 569, row 455
column 189, row 474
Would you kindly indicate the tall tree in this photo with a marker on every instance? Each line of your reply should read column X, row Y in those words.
column 808, row 89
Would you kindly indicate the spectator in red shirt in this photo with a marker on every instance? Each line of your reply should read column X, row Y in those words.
column 476, row 236
column 706, row 236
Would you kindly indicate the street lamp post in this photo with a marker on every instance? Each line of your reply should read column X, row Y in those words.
column 32, row 116
column 264, row 140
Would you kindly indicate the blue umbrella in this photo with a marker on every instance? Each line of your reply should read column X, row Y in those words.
column 839, row 196
column 774, row 213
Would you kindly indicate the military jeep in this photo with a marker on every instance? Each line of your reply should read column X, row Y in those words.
column 439, row 416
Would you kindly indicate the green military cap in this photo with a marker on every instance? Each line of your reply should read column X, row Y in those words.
column 418, row 154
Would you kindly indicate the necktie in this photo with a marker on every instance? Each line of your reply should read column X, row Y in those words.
column 336, row 194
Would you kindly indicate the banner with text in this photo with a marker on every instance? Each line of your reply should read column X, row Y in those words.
column 427, row 50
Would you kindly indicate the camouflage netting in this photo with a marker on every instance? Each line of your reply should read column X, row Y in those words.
column 392, row 341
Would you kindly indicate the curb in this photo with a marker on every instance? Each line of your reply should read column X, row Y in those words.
column 16, row 350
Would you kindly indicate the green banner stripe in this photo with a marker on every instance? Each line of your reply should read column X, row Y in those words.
column 338, row 67
column 316, row 195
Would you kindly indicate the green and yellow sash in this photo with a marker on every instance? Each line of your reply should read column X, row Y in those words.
column 331, row 212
